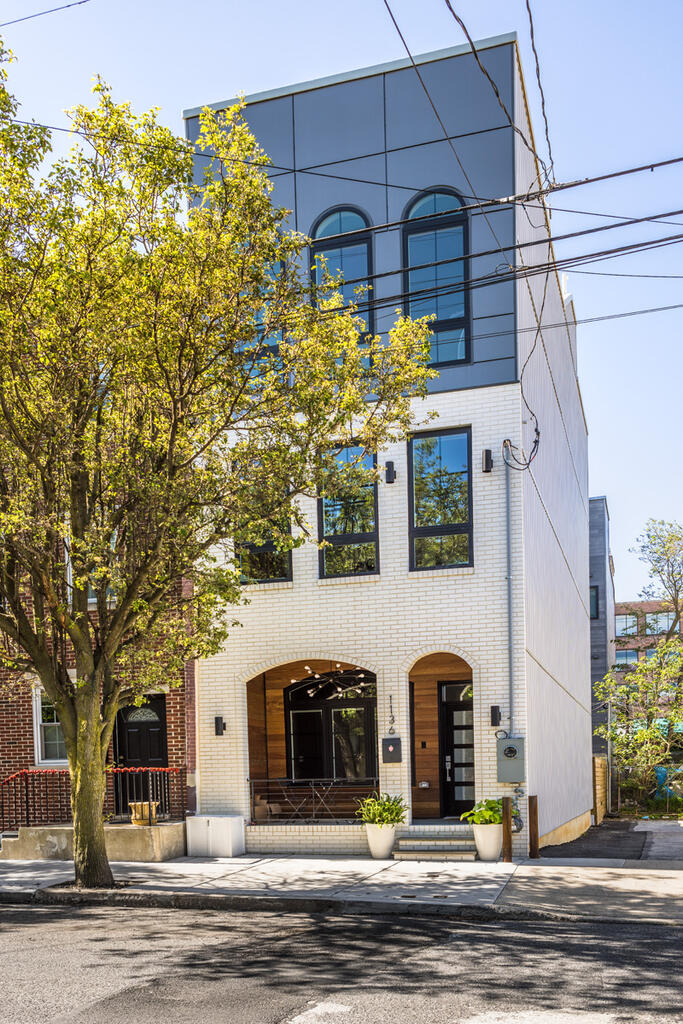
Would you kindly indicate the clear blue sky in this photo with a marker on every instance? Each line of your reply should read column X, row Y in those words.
column 614, row 90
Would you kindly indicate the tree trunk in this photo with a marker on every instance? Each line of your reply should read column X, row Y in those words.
column 87, row 803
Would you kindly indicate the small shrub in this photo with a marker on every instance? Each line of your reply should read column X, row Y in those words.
column 382, row 809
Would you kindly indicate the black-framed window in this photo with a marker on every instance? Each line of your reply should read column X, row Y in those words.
column 435, row 269
column 349, row 258
column 348, row 523
column 330, row 726
column 264, row 563
column 440, row 498
column 595, row 604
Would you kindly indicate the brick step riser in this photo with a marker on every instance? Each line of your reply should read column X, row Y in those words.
column 435, row 855
column 431, row 848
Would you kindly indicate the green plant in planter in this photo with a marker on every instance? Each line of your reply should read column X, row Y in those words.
column 381, row 809
column 485, row 812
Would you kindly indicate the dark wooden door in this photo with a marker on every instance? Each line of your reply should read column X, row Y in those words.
column 457, row 747
column 141, row 735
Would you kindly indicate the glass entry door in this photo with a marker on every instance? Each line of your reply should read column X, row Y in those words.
column 457, row 747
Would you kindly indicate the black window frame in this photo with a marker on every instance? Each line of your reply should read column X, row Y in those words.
column 363, row 237
column 439, row 531
column 345, row 539
column 436, row 222
column 367, row 704
column 594, row 592
column 267, row 548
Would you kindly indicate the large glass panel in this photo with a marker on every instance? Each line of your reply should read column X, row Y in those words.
column 349, row 559
column 307, row 749
column 339, row 222
column 350, row 743
column 440, row 480
column 263, row 565
column 448, row 346
column 626, row 657
column 437, row 288
column 451, row 549
column 626, row 625
column 658, row 622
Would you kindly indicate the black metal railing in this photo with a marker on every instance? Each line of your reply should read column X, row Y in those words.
column 42, row 796
column 287, row 800
column 157, row 792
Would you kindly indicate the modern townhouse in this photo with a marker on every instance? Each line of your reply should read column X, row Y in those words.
column 438, row 645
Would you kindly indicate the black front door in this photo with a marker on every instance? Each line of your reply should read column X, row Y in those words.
column 457, row 747
column 141, row 735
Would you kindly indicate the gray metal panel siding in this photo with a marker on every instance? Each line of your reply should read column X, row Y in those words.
column 380, row 128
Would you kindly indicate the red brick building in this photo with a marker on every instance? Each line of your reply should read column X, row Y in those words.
column 640, row 625
column 160, row 734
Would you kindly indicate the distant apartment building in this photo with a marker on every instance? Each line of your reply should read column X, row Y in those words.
column 443, row 657
column 602, row 607
column 639, row 627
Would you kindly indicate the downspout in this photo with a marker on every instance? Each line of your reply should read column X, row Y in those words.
column 508, row 552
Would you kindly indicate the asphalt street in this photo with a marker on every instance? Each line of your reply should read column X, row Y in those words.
column 91, row 965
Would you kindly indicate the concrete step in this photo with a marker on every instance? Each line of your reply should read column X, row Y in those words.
column 435, row 854
column 436, row 847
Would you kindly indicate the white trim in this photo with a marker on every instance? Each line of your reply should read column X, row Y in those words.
column 369, row 72
column 38, row 758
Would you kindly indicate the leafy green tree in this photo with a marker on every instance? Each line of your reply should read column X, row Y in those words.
column 645, row 729
column 168, row 390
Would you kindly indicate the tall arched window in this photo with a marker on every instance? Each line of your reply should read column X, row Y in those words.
column 435, row 257
column 349, row 257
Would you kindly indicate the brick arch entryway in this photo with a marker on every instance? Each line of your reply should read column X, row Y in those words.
column 312, row 727
column 442, row 736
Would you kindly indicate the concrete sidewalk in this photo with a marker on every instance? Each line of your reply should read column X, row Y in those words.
column 613, row 890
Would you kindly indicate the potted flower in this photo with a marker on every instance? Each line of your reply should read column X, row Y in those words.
column 486, row 818
column 381, row 813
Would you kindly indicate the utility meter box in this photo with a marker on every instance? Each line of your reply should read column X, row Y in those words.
column 510, row 759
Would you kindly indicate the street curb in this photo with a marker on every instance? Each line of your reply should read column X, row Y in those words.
column 309, row 905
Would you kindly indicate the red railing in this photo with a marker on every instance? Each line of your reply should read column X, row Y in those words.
column 42, row 796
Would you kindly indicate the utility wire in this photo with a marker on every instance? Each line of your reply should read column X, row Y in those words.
column 476, row 208
column 496, row 91
column 39, row 14
column 541, row 91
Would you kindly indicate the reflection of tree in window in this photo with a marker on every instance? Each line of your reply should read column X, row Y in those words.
column 440, row 500
column 349, row 521
column 349, row 260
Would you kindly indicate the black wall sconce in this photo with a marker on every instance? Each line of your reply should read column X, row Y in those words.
column 495, row 714
column 389, row 472
column 486, row 460
column 219, row 724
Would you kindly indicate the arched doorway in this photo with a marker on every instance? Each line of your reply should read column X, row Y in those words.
column 442, row 736
column 312, row 740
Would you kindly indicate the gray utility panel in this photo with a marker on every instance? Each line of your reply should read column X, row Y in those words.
column 510, row 759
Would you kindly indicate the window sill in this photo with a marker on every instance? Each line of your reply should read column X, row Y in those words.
column 340, row 581
column 57, row 765
column 276, row 585
column 437, row 574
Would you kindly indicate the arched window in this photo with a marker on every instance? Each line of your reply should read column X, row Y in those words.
column 331, row 726
column 348, row 257
column 435, row 259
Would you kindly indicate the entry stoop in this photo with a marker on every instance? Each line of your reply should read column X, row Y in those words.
column 436, row 846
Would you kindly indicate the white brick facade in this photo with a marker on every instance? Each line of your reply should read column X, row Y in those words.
column 386, row 622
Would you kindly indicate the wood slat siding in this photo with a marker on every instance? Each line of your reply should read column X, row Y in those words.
column 425, row 677
column 266, row 716
column 599, row 788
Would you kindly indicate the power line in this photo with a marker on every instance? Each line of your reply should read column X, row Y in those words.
column 476, row 208
column 39, row 14
column 514, row 246
column 540, row 89
column 496, row 91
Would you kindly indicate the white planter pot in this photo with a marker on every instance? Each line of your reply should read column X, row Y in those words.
column 381, row 840
column 489, row 840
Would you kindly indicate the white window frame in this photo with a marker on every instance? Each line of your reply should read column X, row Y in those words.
column 40, row 761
